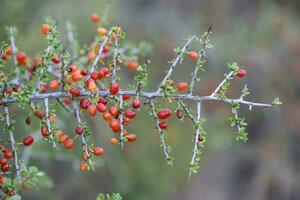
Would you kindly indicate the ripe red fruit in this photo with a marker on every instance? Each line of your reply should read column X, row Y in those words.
column 84, row 72
column 113, row 110
column 5, row 168
column 3, row 161
column 179, row 113
column 126, row 97
column 79, row 130
column 95, row 18
column 74, row 91
column 164, row 114
column 114, row 88
column 102, row 100
column 92, row 109
column 98, row 151
column 8, row 154
column 84, row 103
column 95, row 75
column 45, row 28
column 55, row 59
column 101, row 107
column 163, row 125
column 241, row 73
column 130, row 113
column 91, row 85
column 67, row 100
column 44, row 131
column 83, row 166
column 107, row 116
column 131, row 137
column 4, row 57
column 2, row 180
column 106, row 71
column 40, row 114
column 53, row 85
column 8, row 51
column 132, row 65
column 69, row 144
column 21, row 58
column 28, row 140
column 136, row 103
column 63, row 138
column 193, row 56
column 182, row 86
column 115, row 125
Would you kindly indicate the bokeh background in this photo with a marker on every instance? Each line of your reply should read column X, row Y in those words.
column 262, row 35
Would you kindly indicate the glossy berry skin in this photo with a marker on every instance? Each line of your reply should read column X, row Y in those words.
column 45, row 29
column 79, row 130
column 164, row 114
column 92, row 109
column 113, row 110
column 74, row 91
column 63, row 138
column 95, row 18
column 115, row 125
column 84, row 103
column 69, row 144
column 241, row 73
column 8, row 154
column 44, row 131
column 107, row 116
column 130, row 113
column 136, row 103
column 101, row 107
column 98, row 151
column 182, row 86
column 5, row 168
column 132, row 65
column 114, row 88
column 193, row 56
column 53, row 85
column 21, row 58
column 55, row 59
column 131, row 137
column 28, row 140
column 163, row 125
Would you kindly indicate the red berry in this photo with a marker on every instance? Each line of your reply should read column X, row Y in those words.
column 101, row 107
column 84, row 72
column 5, row 168
column 105, row 70
column 130, row 113
column 132, row 65
column 40, row 114
column 113, row 110
column 95, row 18
column 67, row 100
column 114, row 88
column 193, row 55
column 53, row 85
column 126, row 97
column 102, row 100
column 84, row 103
column 69, row 144
column 115, row 125
column 44, row 131
column 63, row 138
column 182, row 86
column 28, row 140
column 8, row 154
column 131, row 137
column 79, row 130
column 91, row 85
column 8, row 51
column 92, row 109
column 163, row 125
column 74, row 91
column 241, row 73
column 22, row 58
column 45, row 28
column 83, row 166
column 136, row 103
column 95, row 75
column 3, row 161
column 55, row 59
column 164, row 114
column 98, row 151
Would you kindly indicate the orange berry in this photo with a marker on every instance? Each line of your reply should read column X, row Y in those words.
column 101, row 31
column 132, row 65
column 98, row 151
column 182, row 86
column 45, row 29
column 92, row 109
column 131, row 137
column 53, row 85
column 83, row 166
column 91, row 56
column 69, row 144
column 107, row 116
column 193, row 55
column 113, row 140
column 95, row 18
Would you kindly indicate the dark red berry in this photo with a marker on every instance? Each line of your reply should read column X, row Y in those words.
column 241, row 73
column 79, row 130
column 136, row 103
column 5, row 168
column 114, row 88
column 163, row 125
column 164, row 114
column 84, row 103
column 28, row 140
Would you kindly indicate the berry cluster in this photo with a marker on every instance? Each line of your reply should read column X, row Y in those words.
column 87, row 81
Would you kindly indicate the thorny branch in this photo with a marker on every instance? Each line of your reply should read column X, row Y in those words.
column 46, row 102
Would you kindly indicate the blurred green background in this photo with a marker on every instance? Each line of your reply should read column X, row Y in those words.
column 262, row 35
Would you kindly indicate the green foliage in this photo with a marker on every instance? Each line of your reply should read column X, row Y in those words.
column 113, row 196
column 276, row 101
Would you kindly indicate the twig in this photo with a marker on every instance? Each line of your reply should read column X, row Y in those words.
column 115, row 57
column 12, row 141
column 188, row 112
column 121, row 115
column 46, row 102
column 159, row 131
column 83, row 139
column 228, row 76
column 14, row 52
column 196, row 138
column 175, row 62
